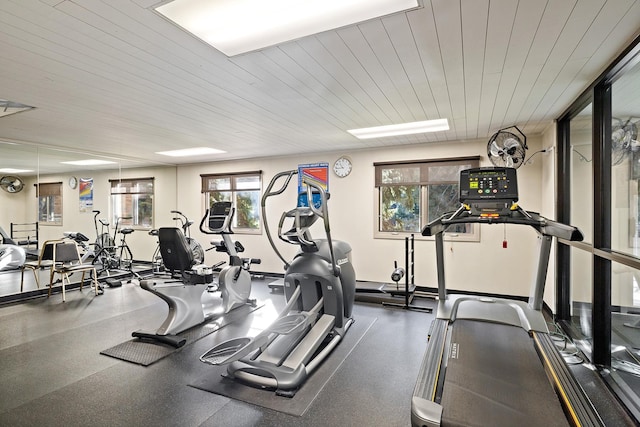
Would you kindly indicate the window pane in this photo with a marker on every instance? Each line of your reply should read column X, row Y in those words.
column 581, row 292
column 625, row 162
column 625, row 324
column 219, row 184
column 580, row 135
column 247, row 210
column 401, row 174
column 247, row 182
column 444, row 198
column 446, row 173
column 132, row 203
column 133, row 210
column 50, row 209
column 400, row 208
column 219, row 196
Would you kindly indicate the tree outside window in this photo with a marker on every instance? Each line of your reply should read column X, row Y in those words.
column 412, row 194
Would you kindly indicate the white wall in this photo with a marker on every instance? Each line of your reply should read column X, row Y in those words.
column 14, row 207
column 472, row 266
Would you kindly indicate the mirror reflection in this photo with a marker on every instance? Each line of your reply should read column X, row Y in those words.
column 51, row 194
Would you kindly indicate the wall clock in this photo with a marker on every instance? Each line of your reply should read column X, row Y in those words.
column 342, row 167
column 73, row 182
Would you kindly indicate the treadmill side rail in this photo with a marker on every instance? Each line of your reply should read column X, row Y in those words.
column 577, row 406
column 424, row 410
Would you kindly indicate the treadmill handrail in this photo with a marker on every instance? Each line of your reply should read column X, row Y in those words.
column 543, row 225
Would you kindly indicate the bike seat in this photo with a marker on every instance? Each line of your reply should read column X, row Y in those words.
column 81, row 237
column 126, row 231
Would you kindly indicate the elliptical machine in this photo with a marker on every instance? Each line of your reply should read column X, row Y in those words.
column 185, row 286
column 319, row 286
column 234, row 280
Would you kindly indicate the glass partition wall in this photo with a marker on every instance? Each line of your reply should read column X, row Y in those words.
column 599, row 186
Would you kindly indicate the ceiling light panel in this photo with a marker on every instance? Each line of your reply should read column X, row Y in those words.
column 238, row 26
column 186, row 152
column 88, row 162
column 426, row 126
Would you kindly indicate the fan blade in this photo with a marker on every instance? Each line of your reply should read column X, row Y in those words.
column 495, row 150
column 510, row 143
column 508, row 161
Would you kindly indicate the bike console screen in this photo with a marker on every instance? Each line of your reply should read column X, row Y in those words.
column 489, row 191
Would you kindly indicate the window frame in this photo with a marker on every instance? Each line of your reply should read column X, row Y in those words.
column 115, row 183
column 234, row 189
column 424, row 182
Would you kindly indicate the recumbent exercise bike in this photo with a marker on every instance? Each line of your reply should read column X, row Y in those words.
column 187, row 281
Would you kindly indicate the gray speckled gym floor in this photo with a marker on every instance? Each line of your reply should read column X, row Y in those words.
column 52, row 372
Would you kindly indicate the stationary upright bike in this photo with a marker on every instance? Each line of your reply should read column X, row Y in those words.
column 234, row 280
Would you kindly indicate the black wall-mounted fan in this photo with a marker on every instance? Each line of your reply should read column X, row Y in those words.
column 507, row 148
column 11, row 184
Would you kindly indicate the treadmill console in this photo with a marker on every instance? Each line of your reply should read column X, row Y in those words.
column 490, row 191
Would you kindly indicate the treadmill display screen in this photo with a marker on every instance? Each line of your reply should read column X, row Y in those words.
column 494, row 183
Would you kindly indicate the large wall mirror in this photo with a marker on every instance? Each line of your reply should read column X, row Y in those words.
column 69, row 192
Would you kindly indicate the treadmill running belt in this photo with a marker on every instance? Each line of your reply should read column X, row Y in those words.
column 494, row 377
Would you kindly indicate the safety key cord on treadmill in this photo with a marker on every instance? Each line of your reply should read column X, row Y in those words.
column 504, row 240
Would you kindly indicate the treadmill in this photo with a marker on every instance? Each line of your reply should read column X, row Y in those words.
column 491, row 361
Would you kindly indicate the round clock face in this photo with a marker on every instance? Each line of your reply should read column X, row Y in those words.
column 73, row 182
column 342, row 167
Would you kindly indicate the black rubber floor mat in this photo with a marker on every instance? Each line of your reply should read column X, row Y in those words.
column 146, row 353
column 298, row 404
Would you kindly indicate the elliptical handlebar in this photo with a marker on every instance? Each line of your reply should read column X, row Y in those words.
column 263, row 202
column 321, row 212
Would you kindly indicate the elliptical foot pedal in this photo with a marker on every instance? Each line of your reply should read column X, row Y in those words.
column 289, row 324
column 233, row 349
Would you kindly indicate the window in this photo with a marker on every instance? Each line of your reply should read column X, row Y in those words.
column 132, row 202
column 243, row 190
column 50, row 203
column 411, row 194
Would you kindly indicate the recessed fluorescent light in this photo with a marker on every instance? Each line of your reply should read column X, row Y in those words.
column 88, row 162
column 401, row 129
column 238, row 26
column 197, row 151
column 10, row 170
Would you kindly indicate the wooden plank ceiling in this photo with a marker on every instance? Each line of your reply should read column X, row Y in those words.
column 113, row 77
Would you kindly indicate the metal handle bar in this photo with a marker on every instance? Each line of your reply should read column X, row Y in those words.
column 269, row 193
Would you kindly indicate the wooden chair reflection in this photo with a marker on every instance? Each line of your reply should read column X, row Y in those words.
column 66, row 261
column 45, row 260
